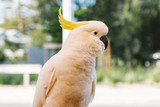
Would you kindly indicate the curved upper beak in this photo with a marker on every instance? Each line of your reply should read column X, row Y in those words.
column 104, row 39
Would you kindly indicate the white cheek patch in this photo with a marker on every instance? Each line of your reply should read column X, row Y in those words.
column 97, row 46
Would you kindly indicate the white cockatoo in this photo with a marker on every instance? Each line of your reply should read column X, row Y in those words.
column 68, row 79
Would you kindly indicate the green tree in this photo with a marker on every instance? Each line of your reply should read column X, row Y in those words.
column 2, row 56
column 14, row 23
column 133, row 26
column 48, row 15
column 28, row 25
column 149, row 34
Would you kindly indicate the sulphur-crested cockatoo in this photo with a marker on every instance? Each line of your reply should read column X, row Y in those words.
column 68, row 79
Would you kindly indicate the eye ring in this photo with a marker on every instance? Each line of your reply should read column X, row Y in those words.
column 95, row 33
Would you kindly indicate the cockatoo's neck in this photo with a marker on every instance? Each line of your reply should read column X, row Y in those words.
column 80, row 57
column 79, row 49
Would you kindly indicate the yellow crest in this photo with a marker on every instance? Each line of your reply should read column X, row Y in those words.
column 68, row 24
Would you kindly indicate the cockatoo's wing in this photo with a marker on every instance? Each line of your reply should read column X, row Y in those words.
column 51, row 82
column 46, row 81
column 93, row 90
column 93, row 87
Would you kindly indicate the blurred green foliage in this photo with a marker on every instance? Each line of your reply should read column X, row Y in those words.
column 26, row 25
column 16, row 79
column 23, row 25
column 48, row 17
column 33, row 78
column 13, row 79
column 2, row 56
column 133, row 27
column 119, row 73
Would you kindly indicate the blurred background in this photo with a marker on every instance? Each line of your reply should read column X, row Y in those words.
column 128, row 74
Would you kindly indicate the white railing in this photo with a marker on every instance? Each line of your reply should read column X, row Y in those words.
column 25, row 69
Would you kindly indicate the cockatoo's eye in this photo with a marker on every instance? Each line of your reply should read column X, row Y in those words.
column 95, row 33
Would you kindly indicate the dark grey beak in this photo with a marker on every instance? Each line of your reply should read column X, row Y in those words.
column 104, row 40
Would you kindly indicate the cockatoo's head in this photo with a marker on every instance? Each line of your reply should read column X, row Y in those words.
column 89, row 35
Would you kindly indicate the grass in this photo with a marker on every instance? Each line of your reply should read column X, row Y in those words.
column 16, row 79
column 137, row 74
column 13, row 79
